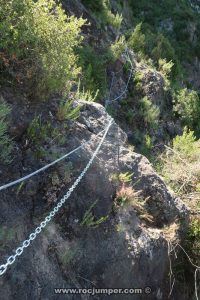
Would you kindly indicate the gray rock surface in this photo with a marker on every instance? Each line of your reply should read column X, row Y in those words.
column 123, row 252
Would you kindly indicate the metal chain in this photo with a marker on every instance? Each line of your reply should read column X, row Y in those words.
column 18, row 252
column 7, row 185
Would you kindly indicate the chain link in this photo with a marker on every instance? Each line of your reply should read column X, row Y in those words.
column 7, row 185
column 26, row 243
column 18, row 252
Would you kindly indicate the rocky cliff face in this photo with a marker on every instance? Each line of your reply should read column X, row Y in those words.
column 128, row 245
column 129, row 249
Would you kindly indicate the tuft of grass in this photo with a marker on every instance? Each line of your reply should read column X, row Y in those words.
column 67, row 111
column 89, row 219
column 125, row 177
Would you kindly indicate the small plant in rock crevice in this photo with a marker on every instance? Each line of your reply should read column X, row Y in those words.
column 89, row 220
column 67, row 111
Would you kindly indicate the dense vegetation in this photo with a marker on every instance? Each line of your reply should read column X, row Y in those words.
column 43, row 53
column 37, row 45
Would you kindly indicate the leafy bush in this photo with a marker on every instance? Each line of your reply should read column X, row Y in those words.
column 187, row 145
column 37, row 44
column 181, row 163
column 138, row 77
column 187, row 107
column 165, row 67
column 37, row 134
column 116, row 49
column 115, row 20
column 146, row 145
column 163, row 49
column 194, row 239
column 137, row 39
column 93, row 70
column 6, row 144
column 102, row 10
column 149, row 112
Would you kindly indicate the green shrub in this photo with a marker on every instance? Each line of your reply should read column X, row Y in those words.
column 137, row 39
column 37, row 134
column 149, row 112
column 93, row 65
column 115, row 20
column 116, row 49
column 85, row 95
column 187, row 107
column 181, row 163
column 37, row 44
column 146, row 145
column 194, row 239
column 102, row 10
column 67, row 111
column 138, row 77
column 187, row 145
column 6, row 144
column 165, row 67
column 163, row 49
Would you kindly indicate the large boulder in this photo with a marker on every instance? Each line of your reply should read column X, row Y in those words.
column 127, row 250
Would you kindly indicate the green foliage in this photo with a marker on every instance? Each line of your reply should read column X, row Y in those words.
column 165, row 67
column 187, row 107
column 165, row 27
column 137, row 39
column 163, row 49
column 89, row 218
column 180, row 164
column 42, row 135
column 37, row 133
column 130, row 116
column 138, row 77
column 6, row 144
column 85, row 95
column 67, row 111
column 102, row 10
column 194, row 230
column 93, row 70
column 146, row 145
column 37, row 44
column 187, row 145
column 122, row 177
column 149, row 112
column 116, row 21
column 117, row 48
column 194, row 239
